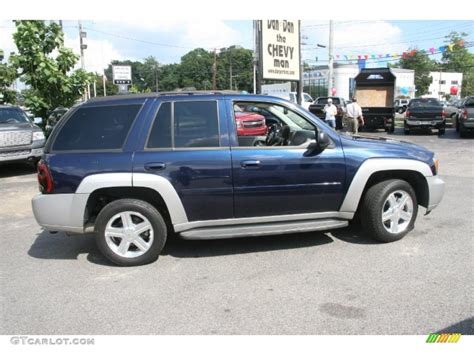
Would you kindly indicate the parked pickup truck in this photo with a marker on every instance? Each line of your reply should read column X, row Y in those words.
column 317, row 108
column 134, row 169
column 375, row 90
column 425, row 113
column 465, row 116
column 20, row 139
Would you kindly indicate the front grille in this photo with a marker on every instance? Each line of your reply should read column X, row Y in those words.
column 15, row 138
column 253, row 124
column 14, row 153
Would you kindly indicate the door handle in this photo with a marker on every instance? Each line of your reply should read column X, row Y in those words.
column 250, row 163
column 155, row 166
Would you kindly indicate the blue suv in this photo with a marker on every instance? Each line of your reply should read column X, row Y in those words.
column 135, row 169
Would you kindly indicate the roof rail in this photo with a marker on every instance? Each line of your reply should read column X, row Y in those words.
column 198, row 92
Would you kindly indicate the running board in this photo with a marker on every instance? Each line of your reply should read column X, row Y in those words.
column 255, row 230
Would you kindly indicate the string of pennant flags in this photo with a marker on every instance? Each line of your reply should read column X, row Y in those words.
column 442, row 49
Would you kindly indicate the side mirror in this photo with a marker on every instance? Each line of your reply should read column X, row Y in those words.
column 323, row 141
column 37, row 120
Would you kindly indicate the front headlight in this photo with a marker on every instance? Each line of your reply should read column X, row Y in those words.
column 37, row 136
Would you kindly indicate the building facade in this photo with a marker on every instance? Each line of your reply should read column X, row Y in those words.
column 444, row 83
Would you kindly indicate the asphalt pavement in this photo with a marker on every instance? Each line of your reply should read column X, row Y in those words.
column 340, row 282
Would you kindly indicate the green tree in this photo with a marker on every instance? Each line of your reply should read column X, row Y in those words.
column 7, row 77
column 45, row 66
column 422, row 64
column 196, row 68
column 169, row 77
column 459, row 59
column 239, row 62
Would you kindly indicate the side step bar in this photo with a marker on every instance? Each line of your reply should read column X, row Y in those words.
column 255, row 230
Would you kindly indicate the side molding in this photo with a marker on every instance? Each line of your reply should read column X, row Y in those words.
column 370, row 166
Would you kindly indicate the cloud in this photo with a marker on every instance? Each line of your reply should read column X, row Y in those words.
column 7, row 28
column 97, row 56
column 209, row 34
column 358, row 37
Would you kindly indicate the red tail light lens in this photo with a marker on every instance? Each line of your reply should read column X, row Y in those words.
column 443, row 114
column 465, row 114
column 407, row 114
column 45, row 180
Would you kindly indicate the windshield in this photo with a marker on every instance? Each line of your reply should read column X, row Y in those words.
column 12, row 116
column 425, row 103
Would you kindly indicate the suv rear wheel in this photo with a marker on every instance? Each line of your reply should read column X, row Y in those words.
column 389, row 210
column 130, row 232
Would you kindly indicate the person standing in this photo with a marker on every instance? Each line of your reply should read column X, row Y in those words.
column 354, row 116
column 331, row 111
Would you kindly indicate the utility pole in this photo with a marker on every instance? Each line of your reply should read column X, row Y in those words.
column 254, row 56
column 230, row 73
column 299, row 94
column 331, row 59
column 214, row 70
column 61, row 24
column 103, row 83
column 82, row 46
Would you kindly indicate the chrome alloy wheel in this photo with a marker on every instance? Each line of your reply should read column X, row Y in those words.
column 397, row 212
column 129, row 234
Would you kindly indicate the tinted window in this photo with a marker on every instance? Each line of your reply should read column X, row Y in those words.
column 160, row 135
column 469, row 103
column 424, row 102
column 104, row 127
column 196, row 124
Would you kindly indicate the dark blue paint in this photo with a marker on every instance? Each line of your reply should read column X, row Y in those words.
column 212, row 184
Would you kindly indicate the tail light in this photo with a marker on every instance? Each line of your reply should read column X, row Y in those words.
column 45, row 180
column 407, row 114
column 465, row 114
column 443, row 114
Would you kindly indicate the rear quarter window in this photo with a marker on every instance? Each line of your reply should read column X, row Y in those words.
column 96, row 128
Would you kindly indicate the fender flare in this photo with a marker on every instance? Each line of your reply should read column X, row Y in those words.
column 374, row 165
column 157, row 183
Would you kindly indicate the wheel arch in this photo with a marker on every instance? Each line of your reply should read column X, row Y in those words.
column 373, row 171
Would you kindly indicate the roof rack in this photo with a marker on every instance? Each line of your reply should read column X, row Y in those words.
column 164, row 93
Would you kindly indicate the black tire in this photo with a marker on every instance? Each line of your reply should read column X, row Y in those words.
column 441, row 131
column 406, row 131
column 457, row 124
column 372, row 208
column 401, row 110
column 148, row 211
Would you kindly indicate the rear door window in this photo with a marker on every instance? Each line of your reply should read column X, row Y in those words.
column 96, row 128
column 195, row 124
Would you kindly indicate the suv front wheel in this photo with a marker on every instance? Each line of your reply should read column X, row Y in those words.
column 130, row 232
column 389, row 210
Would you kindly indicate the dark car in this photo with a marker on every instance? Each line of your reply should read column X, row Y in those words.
column 465, row 116
column 425, row 113
column 20, row 138
column 317, row 108
column 134, row 169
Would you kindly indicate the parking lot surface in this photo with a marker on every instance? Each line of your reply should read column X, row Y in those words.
column 338, row 282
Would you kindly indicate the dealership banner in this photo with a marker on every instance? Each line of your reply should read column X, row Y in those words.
column 280, row 49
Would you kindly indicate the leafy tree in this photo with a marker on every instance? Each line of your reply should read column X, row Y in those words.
column 241, row 61
column 7, row 77
column 422, row 64
column 169, row 77
column 45, row 65
column 460, row 60
column 196, row 68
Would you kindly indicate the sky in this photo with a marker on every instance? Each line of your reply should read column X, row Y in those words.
column 168, row 40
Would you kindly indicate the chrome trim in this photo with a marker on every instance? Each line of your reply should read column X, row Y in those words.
column 265, row 219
